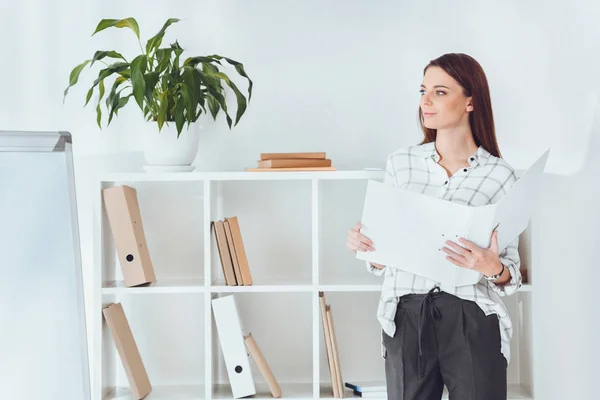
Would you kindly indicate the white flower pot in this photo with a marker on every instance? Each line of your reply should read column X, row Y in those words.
column 165, row 152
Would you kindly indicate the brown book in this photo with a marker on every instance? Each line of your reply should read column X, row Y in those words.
column 294, row 163
column 224, row 252
column 336, row 357
column 125, row 220
column 240, row 251
column 328, row 345
column 128, row 351
column 262, row 364
column 276, row 156
column 291, row 169
column 236, row 265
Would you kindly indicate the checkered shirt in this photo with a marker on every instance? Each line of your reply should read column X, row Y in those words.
column 483, row 182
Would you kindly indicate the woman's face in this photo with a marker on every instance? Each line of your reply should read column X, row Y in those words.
column 443, row 104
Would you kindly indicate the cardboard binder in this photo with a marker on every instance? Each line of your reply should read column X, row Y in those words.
column 127, row 349
column 231, row 338
column 262, row 365
column 123, row 211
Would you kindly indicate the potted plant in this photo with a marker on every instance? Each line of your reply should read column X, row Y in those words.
column 172, row 92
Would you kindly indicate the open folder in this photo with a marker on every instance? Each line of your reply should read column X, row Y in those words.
column 409, row 229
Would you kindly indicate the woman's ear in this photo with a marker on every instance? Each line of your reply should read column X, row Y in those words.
column 469, row 106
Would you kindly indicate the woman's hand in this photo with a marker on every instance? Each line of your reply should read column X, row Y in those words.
column 474, row 257
column 358, row 242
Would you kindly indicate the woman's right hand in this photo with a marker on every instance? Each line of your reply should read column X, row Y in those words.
column 358, row 242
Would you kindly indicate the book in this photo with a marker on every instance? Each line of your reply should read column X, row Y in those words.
column 236, row 265
column 303, row 155
column 239, row 251
column 294, row 163
column 298, row 169
column 336, row 357
column 224, row 252
column 328, row 345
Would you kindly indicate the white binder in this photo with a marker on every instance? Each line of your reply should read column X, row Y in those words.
column 231, row 337
column 408, row 229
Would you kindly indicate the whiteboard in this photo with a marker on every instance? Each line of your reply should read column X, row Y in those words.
column 43, row 347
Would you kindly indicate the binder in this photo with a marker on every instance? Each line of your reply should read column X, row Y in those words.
column 224, row 252
column 123, row 211
column 235, row 264
column 328, row 345
column 263, row 366
column 127, row 349
column 231, row 338
column 240, row 251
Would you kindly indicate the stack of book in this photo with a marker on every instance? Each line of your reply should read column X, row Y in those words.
column 332, row 349
column 308, row 161
column 232, row 252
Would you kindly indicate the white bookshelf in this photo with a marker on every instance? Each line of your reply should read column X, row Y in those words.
column 293, row 253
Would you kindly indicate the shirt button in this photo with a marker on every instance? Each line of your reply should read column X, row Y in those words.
column 472, row 158
column 445, row 183
column 465, row 170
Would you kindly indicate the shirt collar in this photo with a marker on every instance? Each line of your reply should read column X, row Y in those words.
column 480, row 156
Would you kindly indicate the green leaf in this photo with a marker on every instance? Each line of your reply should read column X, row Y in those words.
column 155, row 41
column 163, row 57
column 102, row 89
column 89, row 96
column 98, row 110
column 74, row 76
column 241, row 100
column 179, row 117
column 162, row 110
column 138, row 68
column 99, row 55
column 178, row 51
column 122, row 102
column 213, row 106
column 119, row 23
column 239, row 67
column 111, row 69
column 151, row 79
column 113, row 90
column 99, row 116
column 194, row 61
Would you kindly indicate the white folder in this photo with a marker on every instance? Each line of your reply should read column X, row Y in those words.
column 409, row 229
column 231, row 337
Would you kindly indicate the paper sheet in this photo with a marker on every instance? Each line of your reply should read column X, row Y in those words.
column 409, row 229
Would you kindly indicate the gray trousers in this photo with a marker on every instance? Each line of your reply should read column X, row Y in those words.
column 442, row 340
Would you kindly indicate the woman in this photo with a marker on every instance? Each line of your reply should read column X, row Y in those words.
column 454, row 336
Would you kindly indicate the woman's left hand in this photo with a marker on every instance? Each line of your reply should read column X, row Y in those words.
column 474, row 257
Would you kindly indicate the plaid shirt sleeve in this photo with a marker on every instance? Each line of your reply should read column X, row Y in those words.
column 389, row 179
column 510, row 258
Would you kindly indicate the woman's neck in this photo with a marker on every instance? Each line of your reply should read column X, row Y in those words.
column 455, row 145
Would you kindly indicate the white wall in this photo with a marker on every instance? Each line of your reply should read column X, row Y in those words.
column 343, row 77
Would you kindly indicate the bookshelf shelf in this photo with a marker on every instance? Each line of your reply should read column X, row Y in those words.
column 172, row 285
column 296, row 391
column 293, row 253
column 173, row 392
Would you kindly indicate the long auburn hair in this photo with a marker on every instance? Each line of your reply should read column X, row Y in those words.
column 470, row 75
